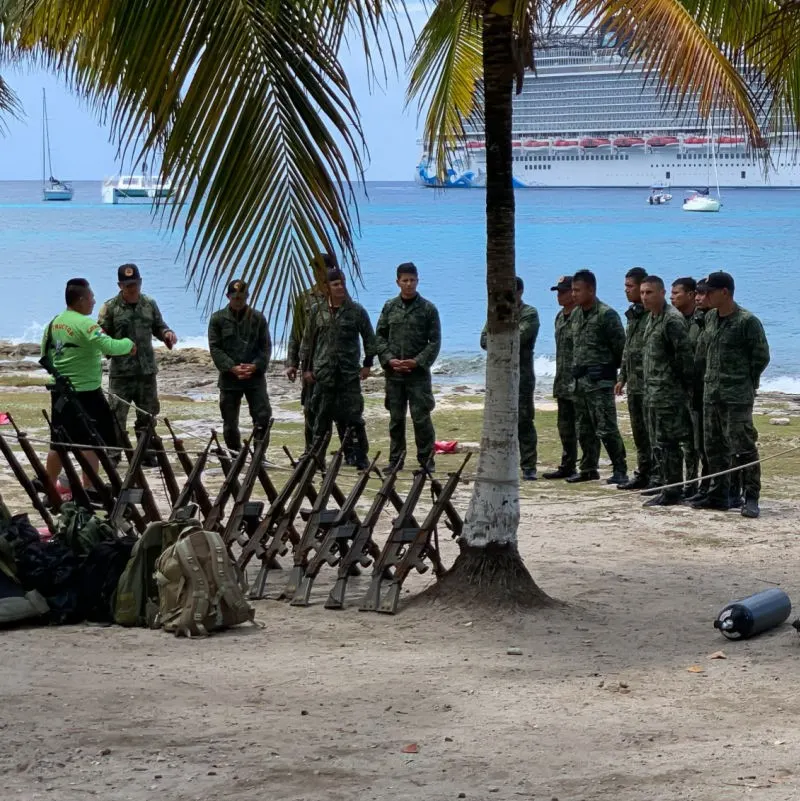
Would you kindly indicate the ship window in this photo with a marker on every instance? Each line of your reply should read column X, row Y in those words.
column 744, row 174
column 548, row 166
column 668, row 174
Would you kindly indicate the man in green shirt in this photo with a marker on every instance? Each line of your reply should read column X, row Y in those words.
column 240, row 346
column 408, row 338
column 73, row 346
column 132, row 379
column 526, row 427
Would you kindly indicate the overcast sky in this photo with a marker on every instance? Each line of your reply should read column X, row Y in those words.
column 81, row 149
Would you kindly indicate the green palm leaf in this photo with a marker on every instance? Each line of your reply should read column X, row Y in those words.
column 9, row 104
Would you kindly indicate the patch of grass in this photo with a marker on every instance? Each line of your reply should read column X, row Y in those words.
column 22, row 381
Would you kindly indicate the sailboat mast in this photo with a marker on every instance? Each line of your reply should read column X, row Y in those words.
column 44, row 126
column 47, row 134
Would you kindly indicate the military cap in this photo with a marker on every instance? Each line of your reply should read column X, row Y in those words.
column 565, row 282
column 128, row 274
column 237, row 285
column 720, row 280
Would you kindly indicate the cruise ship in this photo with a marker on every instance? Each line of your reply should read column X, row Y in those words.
column 589, row 118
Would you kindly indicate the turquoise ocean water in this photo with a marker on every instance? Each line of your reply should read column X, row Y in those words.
column 756, row 237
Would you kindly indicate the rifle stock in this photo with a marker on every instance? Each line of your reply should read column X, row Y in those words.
column 26, row 484
column 200, row 493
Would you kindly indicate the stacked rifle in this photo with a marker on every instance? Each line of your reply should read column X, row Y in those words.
column 317, row 521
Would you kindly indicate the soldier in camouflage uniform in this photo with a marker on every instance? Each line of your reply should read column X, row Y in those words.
column 667, row 364
column 132, row 379
column 563, row 382
column 631, row 379
column 331, row 356
column 240, row 345
column 737, row 353
column 683, row 298
column 526, row 426
column 598, row 341
column 292, row 363
column 408, row 339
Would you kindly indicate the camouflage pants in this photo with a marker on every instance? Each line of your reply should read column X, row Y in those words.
column 699, row 446
column 342, row 403
column 414, row 393
column 526, row 425
column 139, row 389
column 667, row 429
column 691, row 458
column 308, row 426
column 596, row 413
column 641, row 433
column 730, row 440
column 568, row 434
column 230, row 403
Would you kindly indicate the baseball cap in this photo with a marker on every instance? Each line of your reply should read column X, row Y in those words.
column 237, row 285
column 720, row 280
column 128, row 274
column 564, row 282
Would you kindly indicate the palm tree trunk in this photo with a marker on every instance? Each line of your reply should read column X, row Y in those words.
column 489, row 568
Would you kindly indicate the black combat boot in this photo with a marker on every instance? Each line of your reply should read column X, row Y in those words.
column 579, row 478
column 560, row 472
column 750, row 508
column 617, row 478
column 664, row 499
column 638, row 482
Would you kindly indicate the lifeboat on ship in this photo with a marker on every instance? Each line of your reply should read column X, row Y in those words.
column 516, row 145
column 474, row 147
column 628, row 141
column 591, row 142
column 566, row 144
column 730, row 142
column 695, row 141
column 536, row 144
column 662, row 141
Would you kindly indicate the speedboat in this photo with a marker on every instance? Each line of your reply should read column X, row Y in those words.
column 700, row 200
column 659, row 195
column 136, row 187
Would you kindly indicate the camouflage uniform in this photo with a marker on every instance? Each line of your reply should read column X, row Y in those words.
column 563, row 386
column 698, row 340
column 133, row 377
column 691, row 453
column 736, row 355
column 240, row 338
column 667, row 374
column 409, row 330
column 632, row 378
column 331, row 349
column 526, row 425
column 598, row 342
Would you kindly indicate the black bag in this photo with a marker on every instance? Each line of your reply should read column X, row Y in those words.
column 100, row 575
column 53, row 570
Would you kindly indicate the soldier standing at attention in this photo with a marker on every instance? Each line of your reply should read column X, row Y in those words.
column 598, row 341
column 408, row 339
column 526, row 426
column 683, row 299
column 331, row 355
column 564, row 382
column 631, row 378
column 668, row 364
column 737, row 353
column 240, row 345
column 132, row 378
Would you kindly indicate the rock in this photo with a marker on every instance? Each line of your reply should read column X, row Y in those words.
column 779, row 421
column 105, row 752
column 462, row 795
column 514, row 651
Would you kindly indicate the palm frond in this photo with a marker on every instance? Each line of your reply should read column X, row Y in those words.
column 668, row 42
column 251, row 108
column 446, row 75
column 9, row 104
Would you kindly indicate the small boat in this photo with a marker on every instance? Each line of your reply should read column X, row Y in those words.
column 516, row 145
column 476, row 146
column 592, row 142
column 730, row 142
column 695, row 141
column 662, row 141
column 659, row 195
column 628, row 141
column 566, row 144
column 701, row 200
column 536, row 144
column 136, row 187
column 52, row 188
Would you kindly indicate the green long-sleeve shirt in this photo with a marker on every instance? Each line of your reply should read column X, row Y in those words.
column 736, row 353
column 77, row 346
column 631, row 371
column 598, row 340
column 667, row 360
column 239, row 338
column 408, row 330
column 564, row 383
column 528, row 332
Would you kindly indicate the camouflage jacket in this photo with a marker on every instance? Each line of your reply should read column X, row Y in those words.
column 408, row 331
column 737, row 353
column 331, row 347
column 598, row 341
column 239, row 338
column 302, row 309
column 667, row 360
column 563, row 383
column 631, row 373
column 140, row 321
column 528, row 331
column 697, row 329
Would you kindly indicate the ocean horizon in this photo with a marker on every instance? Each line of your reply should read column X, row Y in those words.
column 755, row 237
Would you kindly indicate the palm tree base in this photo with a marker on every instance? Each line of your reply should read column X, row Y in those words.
column 488, row 577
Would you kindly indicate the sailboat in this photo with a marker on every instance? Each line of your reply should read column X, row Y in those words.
column 700, row 199
column 52, row 188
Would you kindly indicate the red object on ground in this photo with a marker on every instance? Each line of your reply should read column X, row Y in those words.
column 44, row 534
column 411, row 748
column 4, row 421
column 445, row 447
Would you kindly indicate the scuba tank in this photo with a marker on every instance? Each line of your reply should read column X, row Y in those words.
column 754, row 614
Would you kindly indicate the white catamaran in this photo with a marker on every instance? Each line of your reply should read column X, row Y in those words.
column 588, row 118
column 52, row 188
